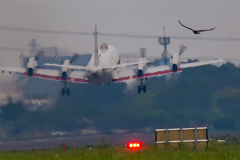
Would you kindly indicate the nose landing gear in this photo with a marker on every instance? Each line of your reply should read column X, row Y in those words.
column 65, row 89
column 142, row 87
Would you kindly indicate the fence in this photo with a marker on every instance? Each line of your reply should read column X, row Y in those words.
column 182, row 137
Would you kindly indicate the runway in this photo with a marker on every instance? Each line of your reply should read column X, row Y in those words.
column 79, row 141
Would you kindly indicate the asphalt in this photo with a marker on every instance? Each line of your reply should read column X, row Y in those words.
column 79, row 141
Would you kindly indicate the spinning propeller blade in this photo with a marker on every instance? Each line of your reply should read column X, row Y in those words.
column 74, row 57
column 182, row 49
column 39, row 54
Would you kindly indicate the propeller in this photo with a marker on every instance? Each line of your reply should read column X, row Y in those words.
column 142, row 52
column 74, row 57
column 182, row 49
column 25, row 59
column 39, row 54
column 56, row 56
column 143, row 55
column 168, row 56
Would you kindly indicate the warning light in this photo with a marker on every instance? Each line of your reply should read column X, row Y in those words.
column 134, row 145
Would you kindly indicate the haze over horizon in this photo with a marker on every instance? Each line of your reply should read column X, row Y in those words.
column 121, row 17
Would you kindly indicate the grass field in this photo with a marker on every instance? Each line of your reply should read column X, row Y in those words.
column 151, row 152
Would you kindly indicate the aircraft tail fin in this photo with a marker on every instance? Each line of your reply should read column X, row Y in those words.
column 96, row 61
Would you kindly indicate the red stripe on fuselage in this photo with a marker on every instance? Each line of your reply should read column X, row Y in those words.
column 147, row 75
column 58, row 78
column 77, row 80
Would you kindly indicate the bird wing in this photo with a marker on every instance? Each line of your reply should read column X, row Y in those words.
column 185, row 26
column 206, row 29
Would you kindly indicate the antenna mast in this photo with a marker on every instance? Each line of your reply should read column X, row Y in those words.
column 164, row 41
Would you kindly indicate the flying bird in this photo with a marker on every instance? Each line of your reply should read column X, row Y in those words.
column 196, row 31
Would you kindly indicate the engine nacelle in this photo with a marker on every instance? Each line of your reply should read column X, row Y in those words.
column 30, row 71
column 32, row 63
column 174, row 67
column 64, row 75
column 140, row 73
column 141, row 67
column 176, row 61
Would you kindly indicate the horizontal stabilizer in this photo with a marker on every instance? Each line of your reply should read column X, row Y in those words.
column 66, row 66
column 126, row 64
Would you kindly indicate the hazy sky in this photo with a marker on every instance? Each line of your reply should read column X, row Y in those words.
column 122, row 16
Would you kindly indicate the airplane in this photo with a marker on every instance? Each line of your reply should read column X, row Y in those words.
column 103, row 69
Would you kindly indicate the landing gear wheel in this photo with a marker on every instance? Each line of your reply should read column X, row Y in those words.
column 139, row 89
column 63, row 92
column 144, row 88
column 68, row 92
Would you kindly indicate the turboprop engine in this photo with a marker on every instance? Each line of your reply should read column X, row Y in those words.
column 32, row 62
column 141, row 66
column 65, row 70
column 176, row 61
column 176, row 58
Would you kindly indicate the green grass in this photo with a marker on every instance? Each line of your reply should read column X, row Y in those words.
column 214, row 151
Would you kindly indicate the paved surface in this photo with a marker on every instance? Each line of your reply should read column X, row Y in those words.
column 80, row 141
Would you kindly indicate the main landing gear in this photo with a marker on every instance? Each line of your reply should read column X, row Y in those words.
column 65, row 89
column 142, row 87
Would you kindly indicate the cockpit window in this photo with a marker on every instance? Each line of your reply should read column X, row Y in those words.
column 104, row 47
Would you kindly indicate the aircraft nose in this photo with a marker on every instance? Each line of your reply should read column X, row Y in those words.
column 104, row 47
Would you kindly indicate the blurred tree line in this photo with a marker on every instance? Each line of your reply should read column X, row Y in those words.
column 207, row 96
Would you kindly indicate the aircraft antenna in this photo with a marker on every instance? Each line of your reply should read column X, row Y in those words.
column 164, row 30
column 96, row 62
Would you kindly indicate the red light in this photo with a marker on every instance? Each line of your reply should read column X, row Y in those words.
column 134, row 145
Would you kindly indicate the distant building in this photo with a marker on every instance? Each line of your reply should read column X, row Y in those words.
column 48, row 51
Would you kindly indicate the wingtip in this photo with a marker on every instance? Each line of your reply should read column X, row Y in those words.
column 183, row 46
column 95, row 27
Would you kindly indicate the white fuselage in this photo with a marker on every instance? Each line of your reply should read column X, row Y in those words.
column 102, row 73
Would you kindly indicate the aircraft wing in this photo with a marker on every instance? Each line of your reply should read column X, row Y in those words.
column 149, row 72
column 84, row 68
column 74, row 76
column 13, row 69
column 66, row 66
column 195, row 64
column 127, row 64
column 157, row 71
